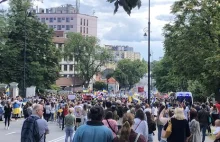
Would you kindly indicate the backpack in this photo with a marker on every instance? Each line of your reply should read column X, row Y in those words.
column 25, row 111
column 30, row 130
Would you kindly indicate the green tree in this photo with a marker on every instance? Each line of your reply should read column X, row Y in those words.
column 128, row 72
column 192, row 42
column 99, row 86
column 42, row 57
column 127, row 5
column 88, row 54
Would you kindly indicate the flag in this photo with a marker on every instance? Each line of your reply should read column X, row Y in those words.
column 7, row 91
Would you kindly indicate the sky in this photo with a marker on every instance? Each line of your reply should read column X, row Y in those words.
column 122, row 29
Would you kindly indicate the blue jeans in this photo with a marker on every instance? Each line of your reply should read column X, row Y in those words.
column 159, row 129
column 69, row 133
column 150, row 137
column 203, row 128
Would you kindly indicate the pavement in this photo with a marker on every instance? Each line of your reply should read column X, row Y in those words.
column 56, row 134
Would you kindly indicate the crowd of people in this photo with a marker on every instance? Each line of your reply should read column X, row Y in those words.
column 114, row 120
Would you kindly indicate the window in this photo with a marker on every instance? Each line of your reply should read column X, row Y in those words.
column 58, row 27
column 51, row 20
column 65, row 59
column 87, row 30
column 83, row 29
column 54, row 18
column 59, row 20
column 80, row 29
column 55, row 26
column 63, row 18
column 71, row 18
column 46, row 18
column 87, row 22
column 70, row 58
column 81, row 21
column 64, row 75
column 43, row 20
column 51, row 26
column 63, row 26
column 71, row 67
column 65, row 67
column 71, row 26
column 38, row 19
column 61, row 67
column 67, row 19
column 84, row 22
column 67, row 27
column 60, row 45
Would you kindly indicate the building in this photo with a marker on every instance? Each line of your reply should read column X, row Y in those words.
column 123, row 52
column 66, row 63
column 67, row 19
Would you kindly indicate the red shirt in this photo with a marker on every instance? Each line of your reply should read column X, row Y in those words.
column 65, row 111
column 218, row 106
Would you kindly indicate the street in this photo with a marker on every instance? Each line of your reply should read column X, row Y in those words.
column 56, row 134
column 14, row 132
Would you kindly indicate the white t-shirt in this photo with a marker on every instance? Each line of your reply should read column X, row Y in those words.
column 217, row 130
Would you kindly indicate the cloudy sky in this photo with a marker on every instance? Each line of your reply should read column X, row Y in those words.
column 121, row 29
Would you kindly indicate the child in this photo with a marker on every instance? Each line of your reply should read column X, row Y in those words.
column 217, row 125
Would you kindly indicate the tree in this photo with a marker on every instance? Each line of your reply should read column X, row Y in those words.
column 127, row 5
column 88, row 54
column 192, row 42
column 99, row 86
column 128, row 72
column 42, row 57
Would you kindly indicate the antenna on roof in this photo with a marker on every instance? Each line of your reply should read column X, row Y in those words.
column 77, row 6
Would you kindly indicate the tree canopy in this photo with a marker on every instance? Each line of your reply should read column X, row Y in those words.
column 42, row 57
column 88, row 54
column 191, row 46
column 128, row 72
column 127, row 5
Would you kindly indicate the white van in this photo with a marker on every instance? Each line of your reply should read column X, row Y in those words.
column 184, row 96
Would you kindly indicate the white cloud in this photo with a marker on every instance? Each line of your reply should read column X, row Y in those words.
column 121, row 29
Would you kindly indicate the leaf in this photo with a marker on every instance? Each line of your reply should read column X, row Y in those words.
column 116, row 6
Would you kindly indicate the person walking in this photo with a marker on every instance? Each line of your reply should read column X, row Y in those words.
column 8, row 111
column 203, row 117
column 69, row 124
column 127, row 134
column 94, row 130
column 194, row 127
column 34, row 127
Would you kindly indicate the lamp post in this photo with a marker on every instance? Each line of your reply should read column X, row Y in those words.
column 145, row 34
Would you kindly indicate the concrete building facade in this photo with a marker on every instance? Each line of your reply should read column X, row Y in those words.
column 67, row 19
column 123, row 52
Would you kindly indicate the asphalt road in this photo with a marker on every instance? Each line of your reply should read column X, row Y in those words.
column 56, row 134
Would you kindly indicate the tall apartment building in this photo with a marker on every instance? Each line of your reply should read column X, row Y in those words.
column 123, row 52
column 66, row 18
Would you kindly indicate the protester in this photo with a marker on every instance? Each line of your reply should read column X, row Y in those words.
column 94, row 130
column 7, row 115
column 178, row 121
column 69, row 125
column 30, row 132
column 127, row 133
column 111, row 123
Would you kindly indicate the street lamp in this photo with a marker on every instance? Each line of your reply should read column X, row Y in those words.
column 145, row 34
